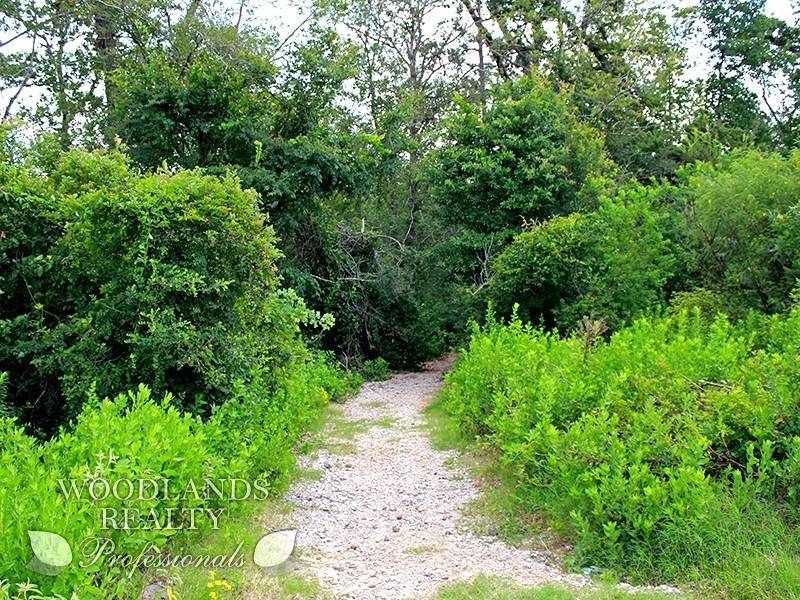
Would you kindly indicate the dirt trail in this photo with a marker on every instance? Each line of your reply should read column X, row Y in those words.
column 385, row 521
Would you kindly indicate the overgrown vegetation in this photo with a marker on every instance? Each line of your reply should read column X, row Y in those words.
column 197, row 203
column 487, row 588
column 670, row 451
column 113, row 278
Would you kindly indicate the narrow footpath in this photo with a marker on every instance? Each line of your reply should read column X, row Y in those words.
column 384, row 518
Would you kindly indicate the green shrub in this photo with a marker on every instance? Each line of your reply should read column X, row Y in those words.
column 376, row 370
column 168, row 279
column 610, row 264
column 129, row 437
column 619, row 442
column 133, row 436
column 743, row 223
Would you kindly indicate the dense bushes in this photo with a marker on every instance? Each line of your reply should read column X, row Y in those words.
column 519, row 160
column 743, row 223
column 611, row 263
column 623, row 443
column 731, row 229
column 135, row 436
column 111, row 278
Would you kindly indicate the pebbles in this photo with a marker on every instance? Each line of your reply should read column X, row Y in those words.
column 385, row 522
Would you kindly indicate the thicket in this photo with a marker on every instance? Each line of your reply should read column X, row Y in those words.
column 138, row 435
column 110, row 278
column 164, row 284
column 637, row 448
column 643, row 395
column 611, row 263
column 724, row 230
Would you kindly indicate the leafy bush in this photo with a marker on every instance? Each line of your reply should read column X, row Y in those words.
column 108, row 278
column 620, row 442
column 525, row 157
column 743, row 222
column 376, row 370
column 134, row 436
column 612, row 263
column 117, row 278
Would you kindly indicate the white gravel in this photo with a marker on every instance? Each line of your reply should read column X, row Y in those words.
column 386, row 521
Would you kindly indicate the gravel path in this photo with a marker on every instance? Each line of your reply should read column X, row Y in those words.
column 385, row 522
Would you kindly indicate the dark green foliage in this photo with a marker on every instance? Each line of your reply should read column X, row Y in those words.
column 195, row 116
column 284, row 138
column 361, row 278
column 527, row 157
column 543, row 268
column 610, row 264
column 523, row 159
column 169, row 279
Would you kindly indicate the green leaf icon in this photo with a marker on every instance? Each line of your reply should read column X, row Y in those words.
column 274, row 548
column 51, row 552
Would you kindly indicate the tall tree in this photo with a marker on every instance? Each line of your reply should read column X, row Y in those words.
column 753, row 86
column 622, row 61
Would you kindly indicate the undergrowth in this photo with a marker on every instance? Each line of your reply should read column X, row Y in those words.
column 668, row 453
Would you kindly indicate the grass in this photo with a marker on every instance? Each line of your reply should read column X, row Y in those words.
column 423, row 549
column 493, row 588
column 375, row 404
column 311, row 474
column 443, row 429
column 745, row 550
column 336, row 433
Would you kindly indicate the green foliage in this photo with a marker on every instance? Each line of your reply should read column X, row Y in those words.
column 285, row 138
column 193, row 116
column 376, row 370
column 621, row 442
column 754, row 53
column 493, row 588
column 544, row 266
column 499, row 169
column 525, row 157
column 116, row 278
column 744, row 227
column 612, row 264
column 134, row 436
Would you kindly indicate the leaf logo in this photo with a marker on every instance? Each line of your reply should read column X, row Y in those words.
column 51, row 553
column 274, row 548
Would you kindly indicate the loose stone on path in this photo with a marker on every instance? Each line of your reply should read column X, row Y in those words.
column 386, row 522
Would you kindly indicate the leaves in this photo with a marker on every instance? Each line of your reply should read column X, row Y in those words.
column 620, row 442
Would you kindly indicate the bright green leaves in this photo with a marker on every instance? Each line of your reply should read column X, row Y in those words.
column 621, row 442
column 610, row 264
